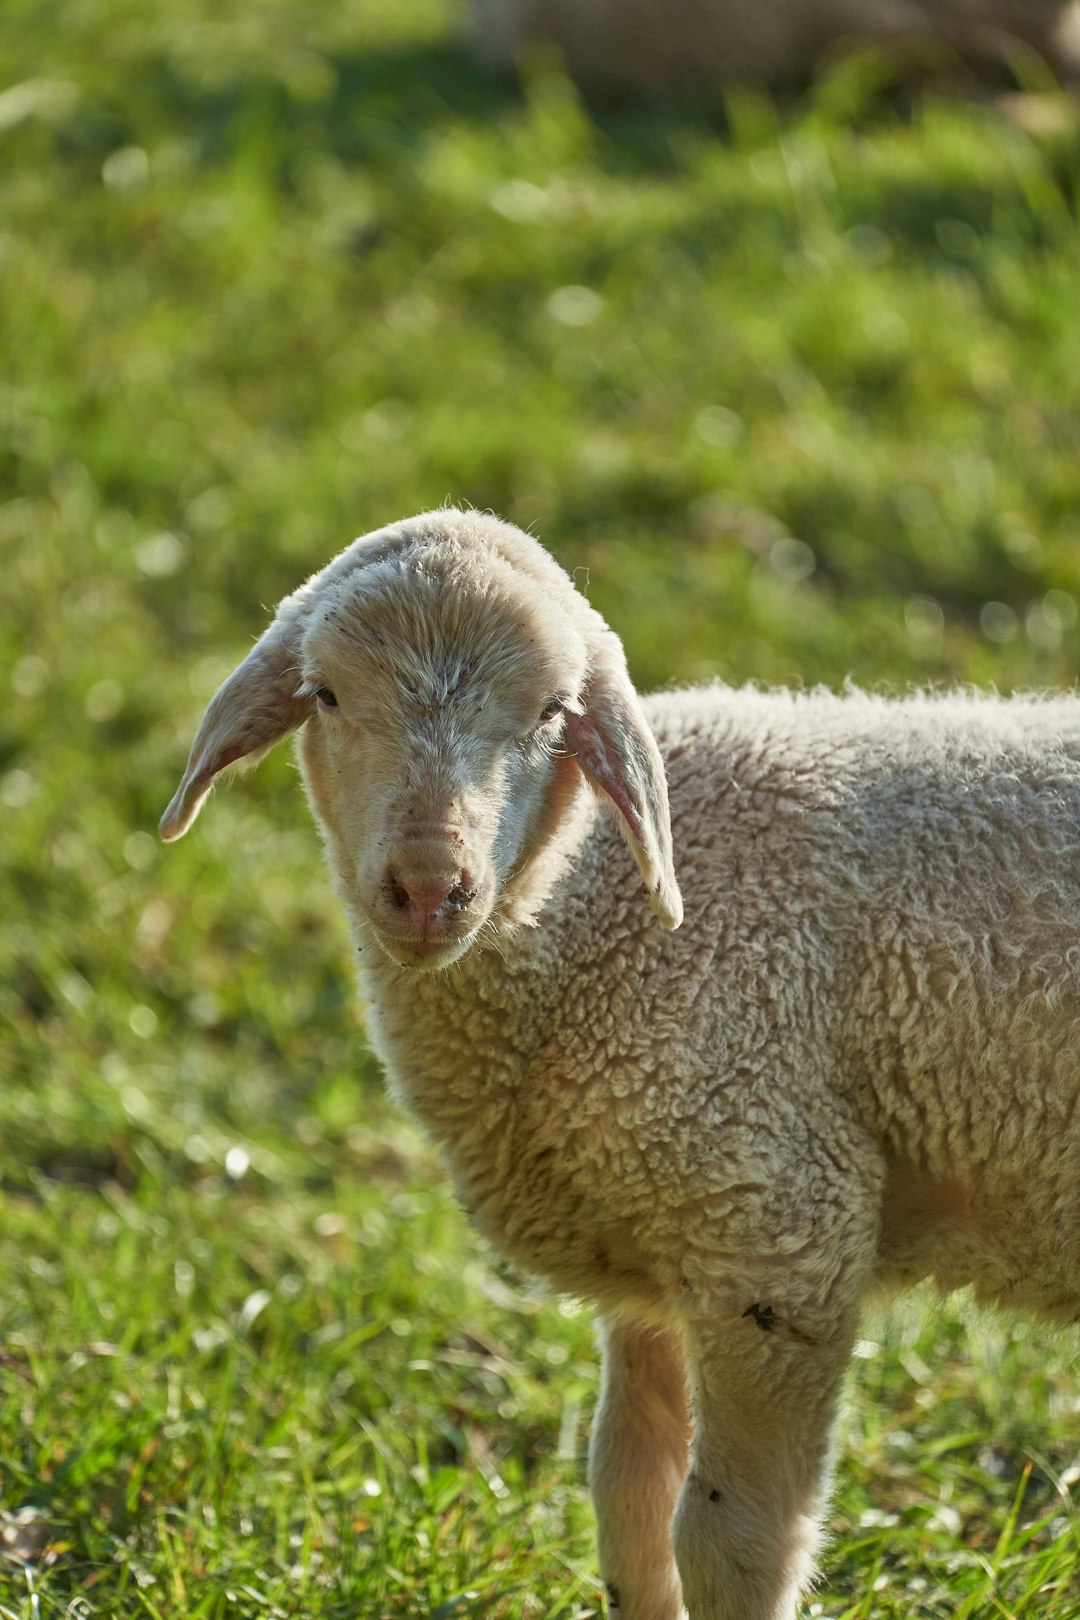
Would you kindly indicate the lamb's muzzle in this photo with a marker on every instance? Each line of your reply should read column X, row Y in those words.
column 427, row 908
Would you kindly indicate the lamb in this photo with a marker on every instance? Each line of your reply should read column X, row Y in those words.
column 855, row 1064
column 650, row 45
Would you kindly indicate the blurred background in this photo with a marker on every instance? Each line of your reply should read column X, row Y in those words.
column 792, row 382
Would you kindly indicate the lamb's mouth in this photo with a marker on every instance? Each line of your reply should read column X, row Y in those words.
column 428, row 955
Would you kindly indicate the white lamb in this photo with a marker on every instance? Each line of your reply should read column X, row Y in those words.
column 674, row 44
column 856, row 1063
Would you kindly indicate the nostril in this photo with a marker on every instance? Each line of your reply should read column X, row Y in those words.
column 425, row 897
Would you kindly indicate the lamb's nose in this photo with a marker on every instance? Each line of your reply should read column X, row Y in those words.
column 431, row 897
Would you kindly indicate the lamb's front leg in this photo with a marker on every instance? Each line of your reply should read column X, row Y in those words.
column 747, row 1528
column 638, row 1457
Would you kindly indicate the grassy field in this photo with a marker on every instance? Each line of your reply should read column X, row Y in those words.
column 799, row 387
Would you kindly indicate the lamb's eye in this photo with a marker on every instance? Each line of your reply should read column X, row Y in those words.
column 550, row 710
column 326, row 697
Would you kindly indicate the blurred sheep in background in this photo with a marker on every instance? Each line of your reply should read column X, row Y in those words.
column 665, row 45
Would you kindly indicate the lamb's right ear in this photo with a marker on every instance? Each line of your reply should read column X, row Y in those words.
column 254, row 709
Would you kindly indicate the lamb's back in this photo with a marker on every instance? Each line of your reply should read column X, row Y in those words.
column 926, row 849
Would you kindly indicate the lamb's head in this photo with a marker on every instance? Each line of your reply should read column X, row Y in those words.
column 452, row 690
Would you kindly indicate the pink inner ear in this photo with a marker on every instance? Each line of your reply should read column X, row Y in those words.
column 228, row 756
column 606, row 768
column 601, row 762
column 184, row 805
column 202, row 779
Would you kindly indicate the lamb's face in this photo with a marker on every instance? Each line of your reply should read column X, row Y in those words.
column 454, row 693
column 433, row 753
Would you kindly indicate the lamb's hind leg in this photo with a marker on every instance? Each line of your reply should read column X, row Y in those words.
column 638, row 1457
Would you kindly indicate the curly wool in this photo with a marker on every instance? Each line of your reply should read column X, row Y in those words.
column 878, row 982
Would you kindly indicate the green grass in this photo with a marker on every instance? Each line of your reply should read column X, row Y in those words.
column 799, row 387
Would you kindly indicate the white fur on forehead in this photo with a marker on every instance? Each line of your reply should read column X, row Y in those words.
column 485, row 536
column 479, row 532
column 454, row 604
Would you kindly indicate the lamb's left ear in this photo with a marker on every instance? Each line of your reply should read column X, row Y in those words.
column 254, row 709
column 617, row 751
